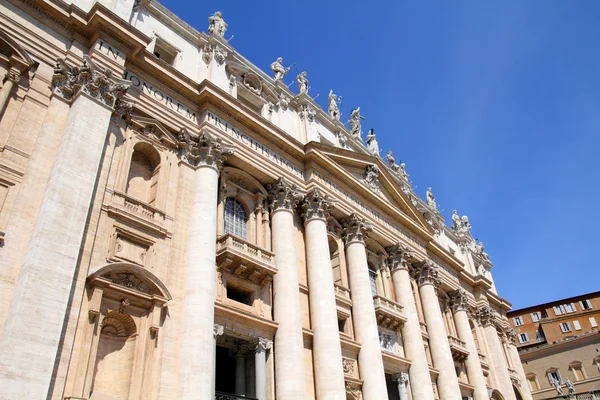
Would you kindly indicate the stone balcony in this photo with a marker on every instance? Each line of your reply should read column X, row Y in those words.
column 483, row 361
column 342, row 296
column 136, row 212
column 245, row 260
column 389, row 313
column 458, row 349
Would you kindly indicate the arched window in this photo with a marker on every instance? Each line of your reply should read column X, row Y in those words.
column 373, row 279
column 143, row 173
column 236, row 219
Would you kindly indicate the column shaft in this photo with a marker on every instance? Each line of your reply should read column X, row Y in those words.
column 260, row 374
column 363, row 312
column 516, row 359
column 240, row 375
column 6, row 91
column 414, row 346
column 474, row 371
column 289, row 344
column 30, row 340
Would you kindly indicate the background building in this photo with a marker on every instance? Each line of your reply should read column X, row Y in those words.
column 559, row 341
column 178, row 224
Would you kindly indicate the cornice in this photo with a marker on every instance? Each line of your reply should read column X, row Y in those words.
column 528, row 355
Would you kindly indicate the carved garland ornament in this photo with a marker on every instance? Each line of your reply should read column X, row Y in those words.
column 203, row 149
column 355, row 229
column 283, row 195
column 316, row 205
column 67, row 82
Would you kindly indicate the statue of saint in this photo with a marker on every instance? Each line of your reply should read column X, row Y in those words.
column 403, row 172
column 557, row 386
column 570, row 386
column 391, row 161
column 355, row 125
column 430, row 199
column 456, row 222
column 371, row 177
column 302, row 82
column 480, row 250
column 217, row 25
column 372, row 145
column 279, row 70
column 332, row 107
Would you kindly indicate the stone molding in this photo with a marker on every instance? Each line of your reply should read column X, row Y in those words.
column 427, row 273
column 316, row 205
column 283, row 195
column 355, row 229
column 203, row 150
column 458, row 300
column 12, row 75
column 67, row 82
column 399, row 257
column 485, row 315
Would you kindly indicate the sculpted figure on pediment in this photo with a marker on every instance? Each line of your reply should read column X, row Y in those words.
column 332, row 106
column 279, row 71
column 479, row 249
column 302, row 82
column 217, row 25
column 372, row 145
column 371, row 178
column 460, row 224
column 430, row 199
column 355, row 124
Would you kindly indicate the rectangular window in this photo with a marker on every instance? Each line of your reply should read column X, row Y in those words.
column 558, row 310
column 239, row 295
column 518, row 321
column 565, row 327
column 585, row 305
column 373, row 279
column 570, row 308
column 593, row 322
column 554, row 377
column 165, row 51
column 577, row 325
column 535, row 317
column 523, row 338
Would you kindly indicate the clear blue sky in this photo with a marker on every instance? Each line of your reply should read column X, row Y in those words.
column 496, row 105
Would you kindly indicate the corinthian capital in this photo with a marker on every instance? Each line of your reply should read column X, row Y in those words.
column 511, row 335
column 485, row 315
column 203, row 149
column 458, row 300
column 262, row 344
column 283, row 195
column 356, row 229
column 316, row 205
column 399, row 256
column 427, row 273
column 218, row 330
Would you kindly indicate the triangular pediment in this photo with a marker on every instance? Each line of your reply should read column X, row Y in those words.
column 347, row 164
column 154, row 130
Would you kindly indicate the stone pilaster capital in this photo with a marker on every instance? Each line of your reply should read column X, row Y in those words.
column 262, row 345
column 511, row 335
column 458, row 300
column 283, row 195
column 427, row 273
column 355, row 229
column 218, row 330
column 401, row 378
column 12, row 75
column 67, row 82
column 316, row 205
column 399, row 256
column 203, row 149
column 485, row 315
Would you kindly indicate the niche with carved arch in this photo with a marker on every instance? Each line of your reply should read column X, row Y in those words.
column 117, row 338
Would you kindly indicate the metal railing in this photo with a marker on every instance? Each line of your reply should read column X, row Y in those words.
column 229, row 396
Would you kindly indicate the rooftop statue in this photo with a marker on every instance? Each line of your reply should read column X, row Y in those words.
column 372, row 145
column 279, row 70
column 399, row 169
column 302, row 82
column 479, row 249
column 332, row 107
column 217, row 25
column 460, row 224
column 355, row 125
column 430, row 199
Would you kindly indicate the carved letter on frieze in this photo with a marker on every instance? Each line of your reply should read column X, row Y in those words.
column 426, row 272
column 459, row 300
column 283, row 195
column 399, row 256
column 203, row 149
column 316, row 205
column 355, row 229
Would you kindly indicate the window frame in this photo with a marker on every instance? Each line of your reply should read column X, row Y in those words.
column 593, row 322
column 233, row 223
column 536, row 316
column 576, row 325
column 585, row 305
column 550, row 374
column 518, row 321
column 566, row 324
column 525, row 335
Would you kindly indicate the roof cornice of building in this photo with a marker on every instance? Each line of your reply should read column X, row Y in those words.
column 555, row 302
column 550, row 348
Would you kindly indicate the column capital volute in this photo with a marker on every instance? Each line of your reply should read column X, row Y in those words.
column 218, row 330
column 283, row 195
column 401, row 377
column 399, row 256
column 355, row 229
column 485, row 315
column 426, row 273
column 262, row 345
column 459, row 301
column 316, row 205
column 203, row 150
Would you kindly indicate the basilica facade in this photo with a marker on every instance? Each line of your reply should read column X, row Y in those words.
column 176, row 223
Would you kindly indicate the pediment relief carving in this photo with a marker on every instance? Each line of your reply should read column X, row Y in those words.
column 130, row 278
column 153, row 130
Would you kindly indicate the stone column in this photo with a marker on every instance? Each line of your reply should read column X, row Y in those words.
column 513, row 352
column 497, row 361
column 206, row 156
column 327, row 351
column 402, row 380
column 31, row 339
column 218, row 330
column 289, row 345
column 240, row 371
column 10, row 80
column 260, row 367
column 459, row 305
column 363, row 311
column 427, row 276
column 399, row 262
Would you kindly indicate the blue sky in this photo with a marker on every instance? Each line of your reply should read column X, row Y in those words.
column 493, row 104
